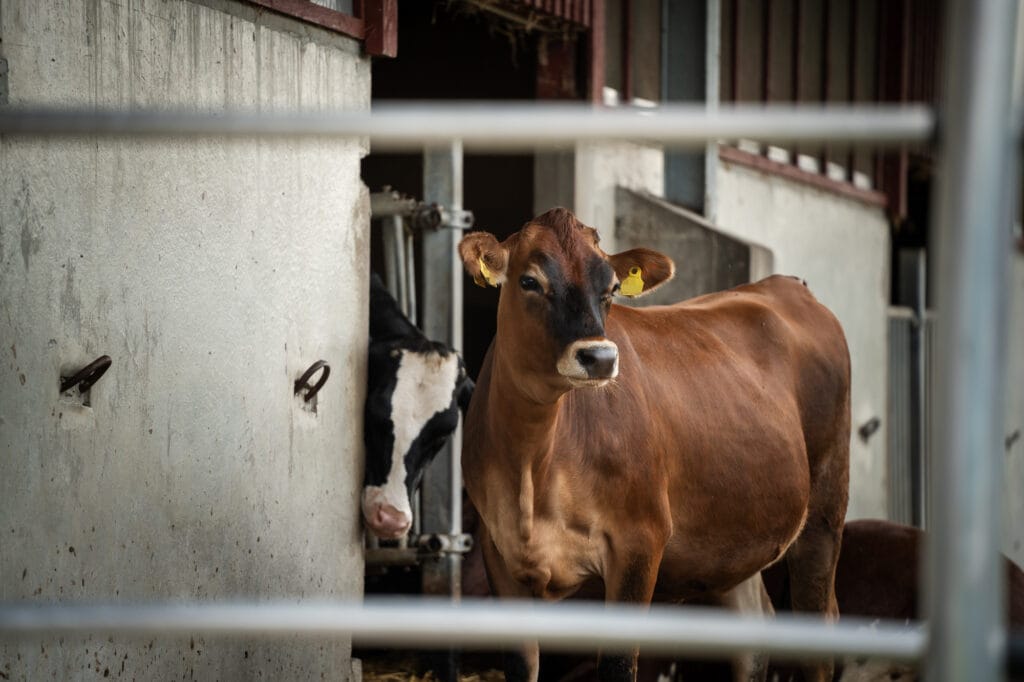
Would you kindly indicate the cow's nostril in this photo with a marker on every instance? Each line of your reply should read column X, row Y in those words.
column 389, row 522
column 599, row 361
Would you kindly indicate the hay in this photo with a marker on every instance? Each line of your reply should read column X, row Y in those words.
column 399, row 669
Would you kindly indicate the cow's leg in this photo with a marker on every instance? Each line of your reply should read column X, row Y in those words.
column 630, row 578
column 750, row 598
column 812, row 558
column 523, row 665
column 812, row 567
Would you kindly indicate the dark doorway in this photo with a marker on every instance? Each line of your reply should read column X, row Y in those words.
column 445, row 52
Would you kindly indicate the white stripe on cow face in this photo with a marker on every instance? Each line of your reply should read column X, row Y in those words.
column 423, row 387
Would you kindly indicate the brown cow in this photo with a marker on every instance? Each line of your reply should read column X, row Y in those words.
column 877, row 577
column 667, row 452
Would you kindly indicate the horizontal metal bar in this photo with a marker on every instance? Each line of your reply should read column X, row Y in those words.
column 505, row 125
column 489, row 624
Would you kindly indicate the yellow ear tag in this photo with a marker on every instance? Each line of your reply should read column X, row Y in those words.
column 632, row 285
column 488, row 275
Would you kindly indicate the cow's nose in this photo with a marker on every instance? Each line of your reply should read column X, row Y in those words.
column 598, row 361
column 389, row 523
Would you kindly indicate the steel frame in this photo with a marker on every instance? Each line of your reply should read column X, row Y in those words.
column 507, row 126
column 567, row 626
column 979, row 146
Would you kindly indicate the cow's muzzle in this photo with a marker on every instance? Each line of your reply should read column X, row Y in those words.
column 590, row 362
column 387, row 522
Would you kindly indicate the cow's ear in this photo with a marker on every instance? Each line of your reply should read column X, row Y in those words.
column 641, row 271
column 484, row 258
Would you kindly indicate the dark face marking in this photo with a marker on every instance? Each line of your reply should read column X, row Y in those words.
column 428, row 443
column 379, row 428
column 573, row 309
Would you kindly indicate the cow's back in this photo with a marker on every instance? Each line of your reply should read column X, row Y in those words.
column 774, row 331
column 747, row 391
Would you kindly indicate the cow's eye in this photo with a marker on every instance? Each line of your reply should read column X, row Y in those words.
column 529, row 283
column 608, row 296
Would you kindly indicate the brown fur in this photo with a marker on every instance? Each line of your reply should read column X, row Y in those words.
column 878, row 575
column 879, row 570
column 727, row 428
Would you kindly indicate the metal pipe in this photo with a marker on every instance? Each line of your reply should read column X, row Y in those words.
column 965, row 578
column 507, row 125
column 410, row 269
column 484, row 624
column 394, row 271
column 457, row 278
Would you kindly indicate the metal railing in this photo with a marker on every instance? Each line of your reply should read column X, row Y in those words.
column 507, row 126
column 978, row 138
column 484, row 624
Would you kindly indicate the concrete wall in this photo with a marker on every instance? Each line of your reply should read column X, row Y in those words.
column 213, row 273
column 706, row 260
column 841, row 247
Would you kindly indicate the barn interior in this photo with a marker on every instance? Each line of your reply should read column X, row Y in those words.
column 449, row 51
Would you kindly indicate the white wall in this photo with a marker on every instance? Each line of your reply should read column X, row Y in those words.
column 841, row 247
column 213, row 273
column 600, row 168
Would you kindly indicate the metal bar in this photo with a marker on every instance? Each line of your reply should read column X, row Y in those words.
column 918, row 393
column 766, row 50
column 965, row 595
column 712, row 99
column 396, row 228
column 626, row 38
column 413, row 312
column 442, row 320
column 507, row 125
column 394, row 270
column 484, row 623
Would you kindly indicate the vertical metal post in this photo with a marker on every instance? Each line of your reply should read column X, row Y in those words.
column 965, row 597
column 410, row 276
column 918, row 392
column 712, row 96
column 441, row 492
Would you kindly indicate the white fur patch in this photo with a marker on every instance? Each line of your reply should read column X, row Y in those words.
column 569, row 366
column 423, row 388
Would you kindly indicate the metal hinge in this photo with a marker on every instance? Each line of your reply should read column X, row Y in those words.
column 442, row 543
column 424, row 547
column 420, row 215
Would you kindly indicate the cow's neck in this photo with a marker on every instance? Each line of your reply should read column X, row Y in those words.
column 527, row 410
column 521, row 437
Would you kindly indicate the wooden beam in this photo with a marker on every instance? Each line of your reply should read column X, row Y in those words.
column 315, row 14
column 381, row 17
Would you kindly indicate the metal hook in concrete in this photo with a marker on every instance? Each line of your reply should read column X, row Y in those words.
column 303, row 381
column 87, row 376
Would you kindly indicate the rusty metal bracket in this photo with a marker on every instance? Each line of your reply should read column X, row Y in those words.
column 87, row 376
column 303, row 381
column 457, row 220
column 425, row 547
column 420, row 215
column 437, row 544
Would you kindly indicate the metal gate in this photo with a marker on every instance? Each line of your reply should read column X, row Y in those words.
column 964, row 637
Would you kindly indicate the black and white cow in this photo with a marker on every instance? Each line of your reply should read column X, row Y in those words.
column 415, row 388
